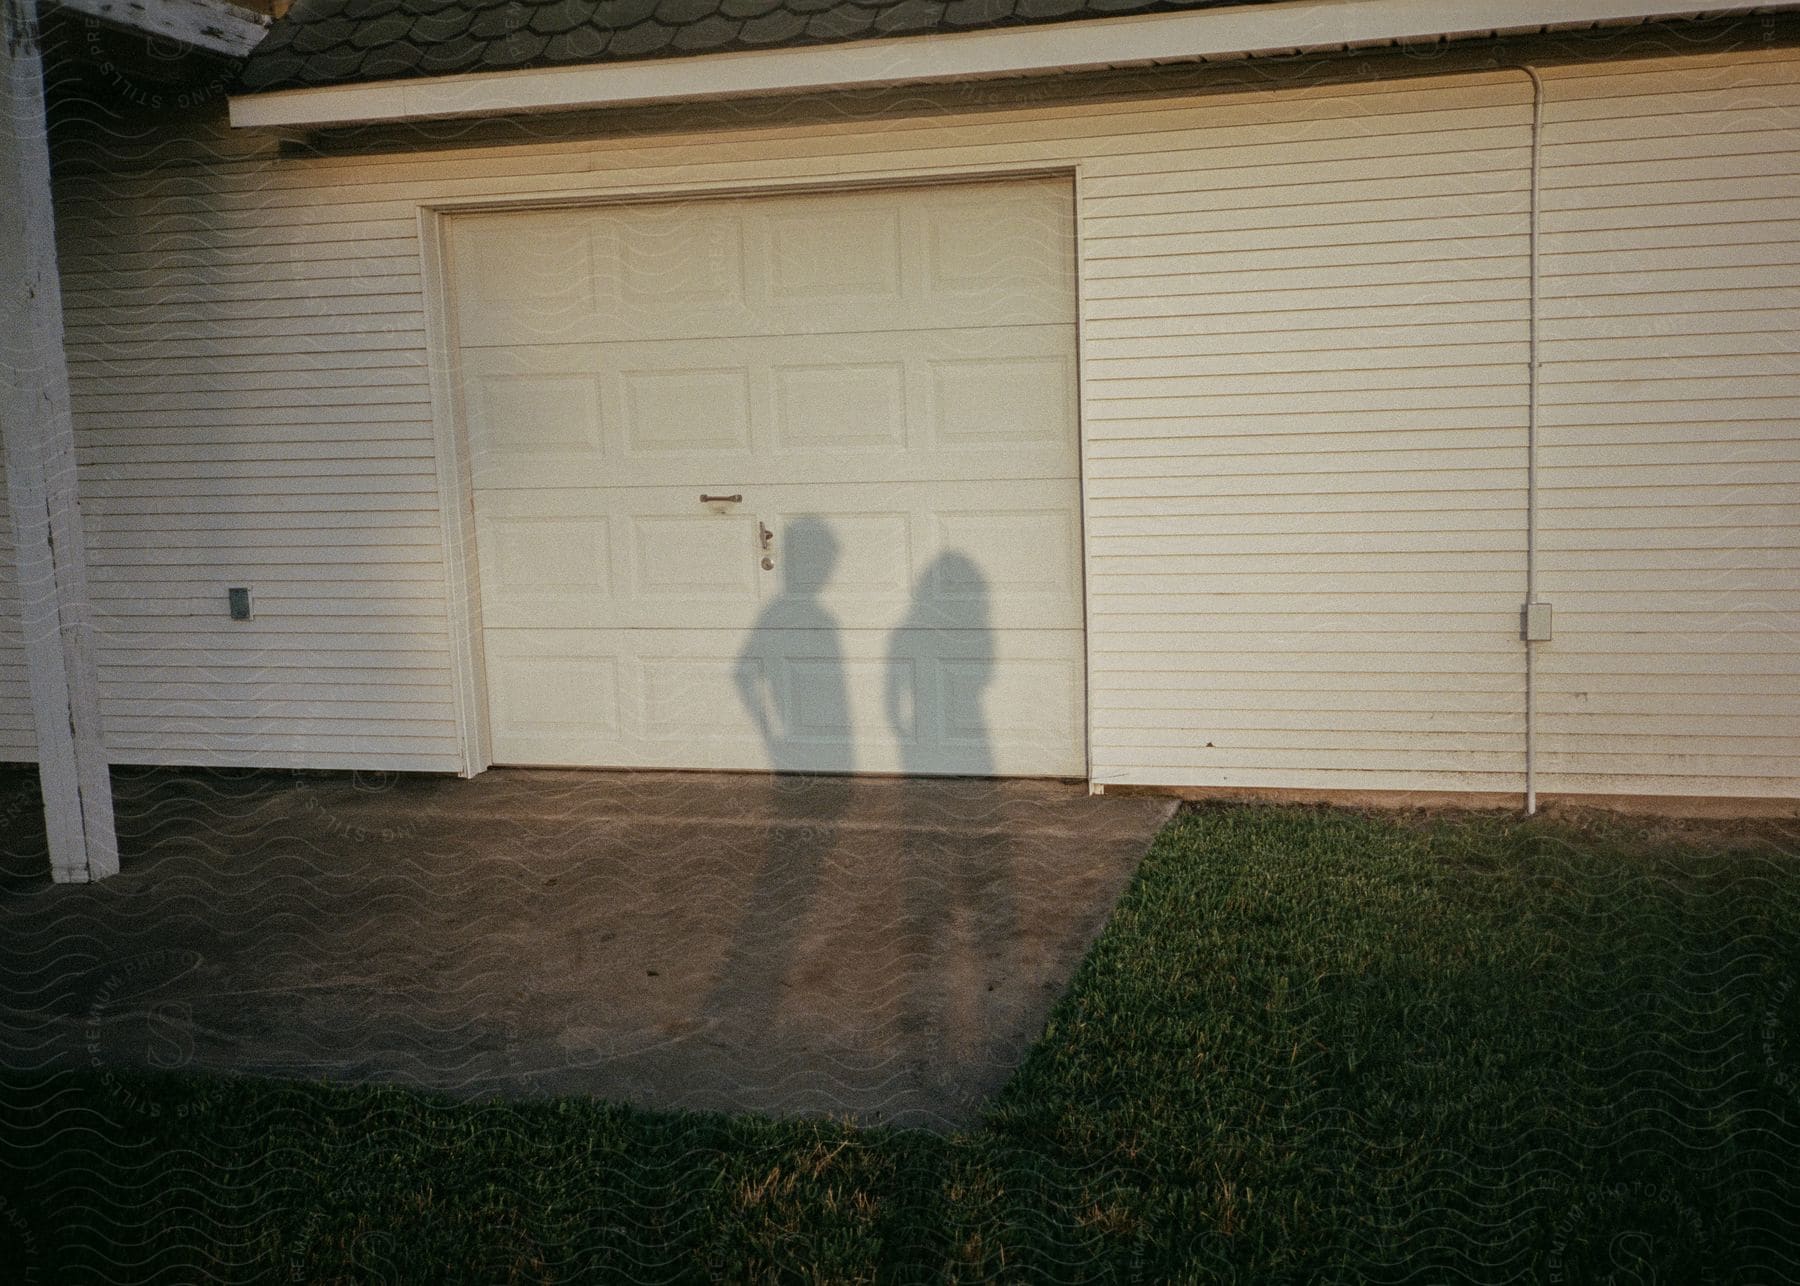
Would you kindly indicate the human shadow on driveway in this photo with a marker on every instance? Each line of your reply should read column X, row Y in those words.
column 803, row 812
column 958, row 924
column 920, row 970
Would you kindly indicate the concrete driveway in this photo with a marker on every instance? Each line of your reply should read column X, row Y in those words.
column 879, row 948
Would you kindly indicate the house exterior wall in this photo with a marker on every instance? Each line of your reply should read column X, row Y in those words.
column 1670, row 453
column 1304, row 400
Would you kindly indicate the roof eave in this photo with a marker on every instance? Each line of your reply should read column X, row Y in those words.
column 1087, row 45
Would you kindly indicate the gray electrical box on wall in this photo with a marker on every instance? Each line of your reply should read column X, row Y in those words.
column 239, row 601
column 1534, row 622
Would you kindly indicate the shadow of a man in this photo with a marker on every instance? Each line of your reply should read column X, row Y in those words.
column 790, row 672
column 790, row 677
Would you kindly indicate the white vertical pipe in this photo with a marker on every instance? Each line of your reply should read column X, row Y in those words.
column 1531, row 432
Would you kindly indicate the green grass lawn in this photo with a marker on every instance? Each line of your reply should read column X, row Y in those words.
column 1310, row 1045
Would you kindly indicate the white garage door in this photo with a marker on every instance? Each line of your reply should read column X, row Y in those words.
column 781, row 482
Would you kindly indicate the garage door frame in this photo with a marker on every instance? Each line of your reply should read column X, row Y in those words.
column 455, row 483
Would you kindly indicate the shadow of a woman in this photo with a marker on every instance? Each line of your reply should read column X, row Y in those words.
column 958, row 918
column 790, row 677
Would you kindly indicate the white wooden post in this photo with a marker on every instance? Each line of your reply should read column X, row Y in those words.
column 40, row 476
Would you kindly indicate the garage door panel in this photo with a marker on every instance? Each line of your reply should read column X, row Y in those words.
column 1031, row 702
column 993, row 702
column 849, row 405
column 551, row 707
column 934, row 702
column 953, row 404
column 522, row 278
column 545, row 568
column 630, row 557
column 704, row 559
column 851, row 255
column 984, row 254
column 935, row 554
column 524, row 421
column 692, row 699
column 867, row 564
column 684, row 263
column 1022, row 561
column 1002, row 401
column 686, row 409
column 941, row 555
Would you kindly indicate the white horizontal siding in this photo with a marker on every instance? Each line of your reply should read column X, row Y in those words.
column 1304, row 401
column 1669, row 458
column 1279, row 593
column 255, row 414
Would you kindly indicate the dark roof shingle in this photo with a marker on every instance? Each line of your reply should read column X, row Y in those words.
column 331, row 42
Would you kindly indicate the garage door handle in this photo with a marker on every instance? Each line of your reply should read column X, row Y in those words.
column 723, row 500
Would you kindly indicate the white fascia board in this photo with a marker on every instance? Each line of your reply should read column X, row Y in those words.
column 1085, row 45
column 215, row 25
